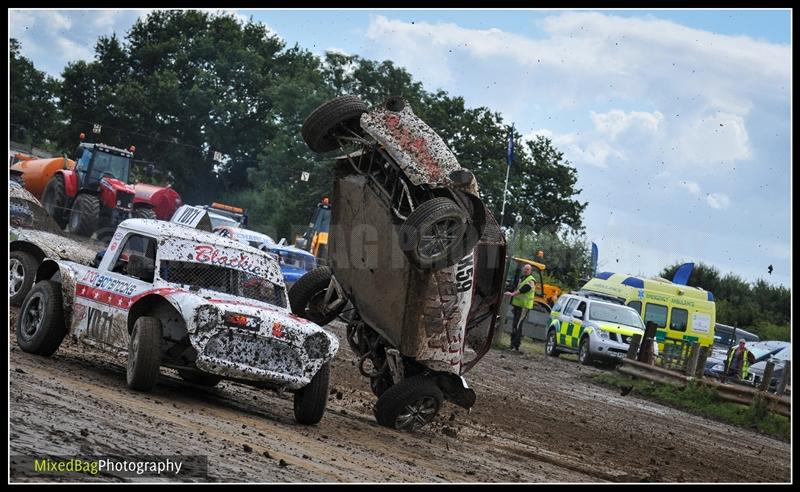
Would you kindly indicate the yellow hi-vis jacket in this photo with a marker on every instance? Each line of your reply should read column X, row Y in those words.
column 525, row 299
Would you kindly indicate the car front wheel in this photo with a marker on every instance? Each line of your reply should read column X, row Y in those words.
column 584, row 356
column 144, row 354
column 310, row 400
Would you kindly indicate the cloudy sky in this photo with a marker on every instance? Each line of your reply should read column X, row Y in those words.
column 678, row 122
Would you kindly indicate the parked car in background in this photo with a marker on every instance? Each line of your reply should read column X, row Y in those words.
column 246, row 236
column 764, row 351
column 295, row 262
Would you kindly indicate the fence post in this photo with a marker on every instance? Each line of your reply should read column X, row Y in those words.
column 691, row 362
column 701, row 362
column 787, row 370
column 633, row 348
column 768, row 370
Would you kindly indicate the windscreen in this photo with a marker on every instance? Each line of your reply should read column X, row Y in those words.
column 615, row 314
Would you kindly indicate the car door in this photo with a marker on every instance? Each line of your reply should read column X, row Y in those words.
column 107, row 297
column 565, row 324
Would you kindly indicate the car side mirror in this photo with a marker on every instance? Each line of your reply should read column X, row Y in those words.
column 577, row 313
column 141, row 267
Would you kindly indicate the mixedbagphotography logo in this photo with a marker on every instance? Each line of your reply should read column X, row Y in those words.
column 77, row 468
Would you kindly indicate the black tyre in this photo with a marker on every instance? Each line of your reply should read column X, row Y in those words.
column 307, row 296
column 143, row 213
column 409, row 404
column 40, row 323
column 584, row 356
column 21, row 274
column 54, row 200
column 202, row 379
column 144, row 354
column 85, row 215
column 550, row 345
column 433, row 236
column 340, row 114
column 311, row 399
column 380, row 384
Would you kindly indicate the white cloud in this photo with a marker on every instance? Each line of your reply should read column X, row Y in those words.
column 719, row 201
column 693, row 187
column 617, row 121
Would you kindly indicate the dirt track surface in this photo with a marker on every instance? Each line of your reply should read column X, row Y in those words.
column 536, row 420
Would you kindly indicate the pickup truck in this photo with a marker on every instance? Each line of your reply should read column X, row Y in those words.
column 168, row 294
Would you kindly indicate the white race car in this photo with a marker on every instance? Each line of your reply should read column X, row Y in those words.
column 170, row 295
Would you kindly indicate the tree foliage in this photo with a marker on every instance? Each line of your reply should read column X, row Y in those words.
column 182, row 85
column 32, row 104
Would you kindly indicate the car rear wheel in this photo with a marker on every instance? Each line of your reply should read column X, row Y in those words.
column 40, row 323
column 433, row 236
column 409, row 404
column 307, row 297
column 54, row 200
column 85, row 215
column 550, row 346
column 332, row 117
column 144, row 354
column 21, row 274
column 310, row 400
column 202, row 379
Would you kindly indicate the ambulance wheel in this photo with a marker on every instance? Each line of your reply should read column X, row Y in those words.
column 409, row 404
column 40, row 323
column 550, row 346
column 584, row 357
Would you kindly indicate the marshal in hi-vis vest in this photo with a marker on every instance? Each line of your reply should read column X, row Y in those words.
column 525, row 300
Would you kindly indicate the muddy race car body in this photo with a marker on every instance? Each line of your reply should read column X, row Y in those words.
column 32, row 237
column 413, row 250
column 169, row 295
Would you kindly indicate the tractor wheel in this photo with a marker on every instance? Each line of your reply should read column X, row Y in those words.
column 144, row 213
column 85, row 215
column 54, row 200
column 320, row 128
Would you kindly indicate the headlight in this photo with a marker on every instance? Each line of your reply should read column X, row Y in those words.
column 601, row 333
column 317, row 345
column 718, row 367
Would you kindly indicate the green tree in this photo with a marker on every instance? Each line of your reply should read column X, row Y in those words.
column 32, row 99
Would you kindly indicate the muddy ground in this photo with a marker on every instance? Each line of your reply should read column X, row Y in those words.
column 537, row 419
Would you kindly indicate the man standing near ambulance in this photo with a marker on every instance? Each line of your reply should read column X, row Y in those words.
column 739, row 361
column 522, row 301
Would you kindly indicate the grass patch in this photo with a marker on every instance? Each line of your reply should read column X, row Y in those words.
column 528, row 345
column 703, row 401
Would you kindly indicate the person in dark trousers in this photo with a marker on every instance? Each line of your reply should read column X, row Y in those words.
column 522, row 301
column 738, row 362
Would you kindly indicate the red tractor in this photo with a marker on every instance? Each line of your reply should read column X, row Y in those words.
column 92, row 193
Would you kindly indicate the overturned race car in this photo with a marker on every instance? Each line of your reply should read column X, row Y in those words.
column 412, row 251
column 166, row 294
